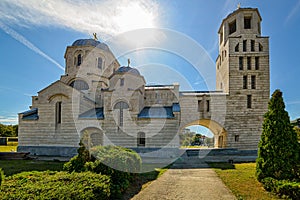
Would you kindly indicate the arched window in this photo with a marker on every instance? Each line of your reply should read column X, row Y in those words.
column 79, row 60
column 79, row 85
column 58, row 112
column 99, row 62
column 141, row 139
column 120, row 106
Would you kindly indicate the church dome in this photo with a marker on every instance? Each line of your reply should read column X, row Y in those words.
column 90, row 42
column 130, row 70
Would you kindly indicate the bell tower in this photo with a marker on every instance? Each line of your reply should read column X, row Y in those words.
column 243, row 72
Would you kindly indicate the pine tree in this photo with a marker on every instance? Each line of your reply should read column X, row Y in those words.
column 278, row 149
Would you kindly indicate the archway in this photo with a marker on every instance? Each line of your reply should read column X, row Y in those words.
column 196, row 136
column 219, row 132
column 91, row 137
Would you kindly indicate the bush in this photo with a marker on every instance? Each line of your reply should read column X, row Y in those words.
column 118, row 162
column 283, row 188
column 76, row 164
column 118, row 158
column 1, row 176
column 56, row 185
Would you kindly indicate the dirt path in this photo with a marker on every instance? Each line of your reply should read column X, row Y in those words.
column 186, row 184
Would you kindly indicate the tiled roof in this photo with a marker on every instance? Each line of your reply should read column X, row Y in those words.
column 94, row 113
column 162, row 112
column 176, row 107
column 130, row 70
column 30, row 114
column 90, row 42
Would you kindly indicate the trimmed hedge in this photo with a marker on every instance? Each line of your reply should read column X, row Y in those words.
column 283, row 188
column 56, row 185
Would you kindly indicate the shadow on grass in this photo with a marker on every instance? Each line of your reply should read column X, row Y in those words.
column 222, row 166
column 11, row 167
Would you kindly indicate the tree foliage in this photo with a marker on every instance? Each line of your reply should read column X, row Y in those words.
column 297, row 130
column 8, row 130
column 278, row 149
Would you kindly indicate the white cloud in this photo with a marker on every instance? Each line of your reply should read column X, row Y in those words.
column 8, row 119
column 107, row 18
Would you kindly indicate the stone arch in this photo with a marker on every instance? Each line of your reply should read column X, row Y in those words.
column 91, row 137
column 217, row 129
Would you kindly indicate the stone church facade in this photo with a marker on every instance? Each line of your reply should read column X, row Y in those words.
column 103, row 103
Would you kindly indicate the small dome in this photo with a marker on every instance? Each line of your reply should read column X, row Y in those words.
column 90, row 42
column 130, row 70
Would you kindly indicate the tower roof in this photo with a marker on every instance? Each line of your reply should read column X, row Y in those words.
column 127, row 69
column 90, row 42
column 238, row 11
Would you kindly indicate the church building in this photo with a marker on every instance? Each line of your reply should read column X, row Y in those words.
column 103, row 103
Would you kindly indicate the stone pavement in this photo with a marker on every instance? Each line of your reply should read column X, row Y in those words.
column 186, row 184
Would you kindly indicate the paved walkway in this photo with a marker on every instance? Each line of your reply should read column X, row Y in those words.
column 186, row 184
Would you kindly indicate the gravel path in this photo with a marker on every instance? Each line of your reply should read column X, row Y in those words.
column 186, row 184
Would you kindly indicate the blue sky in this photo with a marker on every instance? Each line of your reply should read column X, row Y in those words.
column 34, row 36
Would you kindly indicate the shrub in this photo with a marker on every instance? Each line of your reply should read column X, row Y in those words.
column 77, row 163
column 1, row 176
column 117, row 162
column 283, row 188
column 118, row 158
column 56, row 185
column 278, row 149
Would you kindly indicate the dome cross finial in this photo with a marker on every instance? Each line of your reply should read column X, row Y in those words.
column 128, row 61
column 239, row 5
column 95, row 36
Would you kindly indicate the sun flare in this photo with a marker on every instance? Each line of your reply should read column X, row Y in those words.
column 134, row 16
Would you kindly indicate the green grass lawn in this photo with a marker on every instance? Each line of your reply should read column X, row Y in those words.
column 8, row 148
column 241, row 180
column 11, row 167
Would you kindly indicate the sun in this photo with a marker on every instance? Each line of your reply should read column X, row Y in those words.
column 133, row 16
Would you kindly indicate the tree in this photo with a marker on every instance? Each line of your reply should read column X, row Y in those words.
column 278, row 149
column 297, row 130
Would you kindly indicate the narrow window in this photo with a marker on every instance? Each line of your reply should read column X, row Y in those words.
column 221, row 37
column 236, row 138
column 249, row 63
column 245, row 82
column 256, row 63
column 244, row 45
column 241, row 63
column 247, row 22
column 99, row 62
column 121, row 106
column 252, row 45
column 207, row 105
column 253, row 82
column 199, row 106
column 249, row 101
column 260, row 47
column 58, row 112
column 221, row 86
column 141, row 139
column 258, row 27
column 122, row 81
column 79, row 60
column 236, row 49
column 232, row 27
